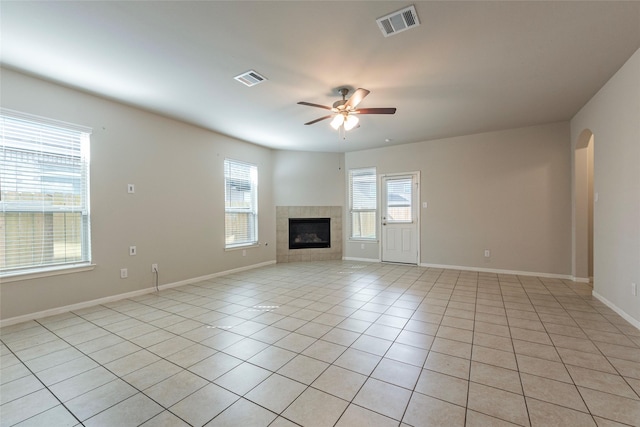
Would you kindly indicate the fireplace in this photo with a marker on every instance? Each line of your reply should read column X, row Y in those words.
column 305, row 233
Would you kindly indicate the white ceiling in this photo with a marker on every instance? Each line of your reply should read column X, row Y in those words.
column 469, row 67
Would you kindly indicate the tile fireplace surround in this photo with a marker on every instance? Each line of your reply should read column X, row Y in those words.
column 284, row 254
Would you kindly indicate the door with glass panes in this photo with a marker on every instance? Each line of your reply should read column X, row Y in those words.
column 399, row 230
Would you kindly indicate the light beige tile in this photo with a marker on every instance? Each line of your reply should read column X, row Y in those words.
column 477, row 419
column 449, row 365
column 386, row 399
column 243, row 413
column 498, row 403
column 415, row 339
column 242, row 378
column 324, row 350
column 175, row 388
column 130, row 412
column 82, row 383
column 586, row 360
column 444, row 387
column 358, row 361
column 540, row 351
column 610, row 406
column 490, row 356
column 408, row 354
column 295, row 342
column 494, row 376
column 427, row 411
column 97, row 400
column 601, row 381
column 204, row 404
column 272, row 358
column 556, row 392
column 152, row 374
column 397, row 373
column 543, row 368
column 215, row 366
column 57, row 416
column 373, row 345
column 191, row 355
column 303, row 369
column 356, row 416
column 547, row 414
column 18, row 388
column 288, row 390
column 314, row 408
column 339, row 382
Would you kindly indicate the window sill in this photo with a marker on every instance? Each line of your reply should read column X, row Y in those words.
column 239, row 247
column 46, row 272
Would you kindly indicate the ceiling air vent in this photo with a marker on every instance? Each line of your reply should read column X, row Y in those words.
column 250, row 78
column 399, row 21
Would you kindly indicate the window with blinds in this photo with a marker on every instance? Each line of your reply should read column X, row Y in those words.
column 363, row 203
column 240, row 203
column 44, row 194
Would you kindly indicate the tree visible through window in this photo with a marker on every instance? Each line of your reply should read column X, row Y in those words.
column 240, row 203
column 44, row 194
column 363, row 203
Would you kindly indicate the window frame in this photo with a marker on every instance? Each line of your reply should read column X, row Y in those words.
column 251, row 211
column 41, row 157
column 372, row 207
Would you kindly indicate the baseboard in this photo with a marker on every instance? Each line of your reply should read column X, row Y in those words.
column 360, row 259
column 499, row 271
column 59, row 310
column 618, row 310
column 581, row 279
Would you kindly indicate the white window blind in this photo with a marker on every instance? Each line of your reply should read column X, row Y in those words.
column 44, row 194
column 240, row 203
column 363, row 203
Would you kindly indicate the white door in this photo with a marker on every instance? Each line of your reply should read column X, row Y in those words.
column 400, row 232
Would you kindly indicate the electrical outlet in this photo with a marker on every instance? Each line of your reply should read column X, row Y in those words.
column 132, row 250
column 124, row 273
column 154, row 268
column 244, row 252
column 131, row 188
column 634, row 289
column 487, row 253
column 361, row 245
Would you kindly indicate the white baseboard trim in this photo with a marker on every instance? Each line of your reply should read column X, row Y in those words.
column 618, row 310
column 499, row 271
column 360, row 259
column 581, row 279
column 78, row 306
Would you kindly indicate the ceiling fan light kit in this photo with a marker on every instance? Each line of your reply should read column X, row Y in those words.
column 344, row 110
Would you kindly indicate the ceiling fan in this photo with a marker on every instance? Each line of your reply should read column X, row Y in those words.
column 344, row 111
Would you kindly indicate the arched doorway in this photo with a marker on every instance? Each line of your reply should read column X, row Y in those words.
column 584, row 206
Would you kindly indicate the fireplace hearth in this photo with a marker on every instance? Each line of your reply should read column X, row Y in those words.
column 307, row 233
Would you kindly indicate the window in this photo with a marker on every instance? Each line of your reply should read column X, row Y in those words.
column 240, row 203
column 363, row 203
column 399, row 198
column 44, row 194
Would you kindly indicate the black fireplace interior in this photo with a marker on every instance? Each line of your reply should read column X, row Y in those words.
column 309, row 233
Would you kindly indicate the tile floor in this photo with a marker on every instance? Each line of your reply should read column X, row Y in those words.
column 330, row 344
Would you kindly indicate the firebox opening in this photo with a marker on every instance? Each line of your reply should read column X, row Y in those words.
column 309, row 233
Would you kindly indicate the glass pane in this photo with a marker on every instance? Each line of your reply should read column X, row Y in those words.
column 363, row 225
column 399, row 200
column 35, row 238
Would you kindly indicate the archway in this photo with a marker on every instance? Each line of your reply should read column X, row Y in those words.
column 584, row 206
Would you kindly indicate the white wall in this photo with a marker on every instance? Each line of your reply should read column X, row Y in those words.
column 507, row 191
column 308, row 178
column 176, row 216
column 613, row 115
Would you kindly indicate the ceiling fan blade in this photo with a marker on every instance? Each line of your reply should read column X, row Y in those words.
column 319, row 120
column 374, row 111
column 314, row 105
column 356, row 98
